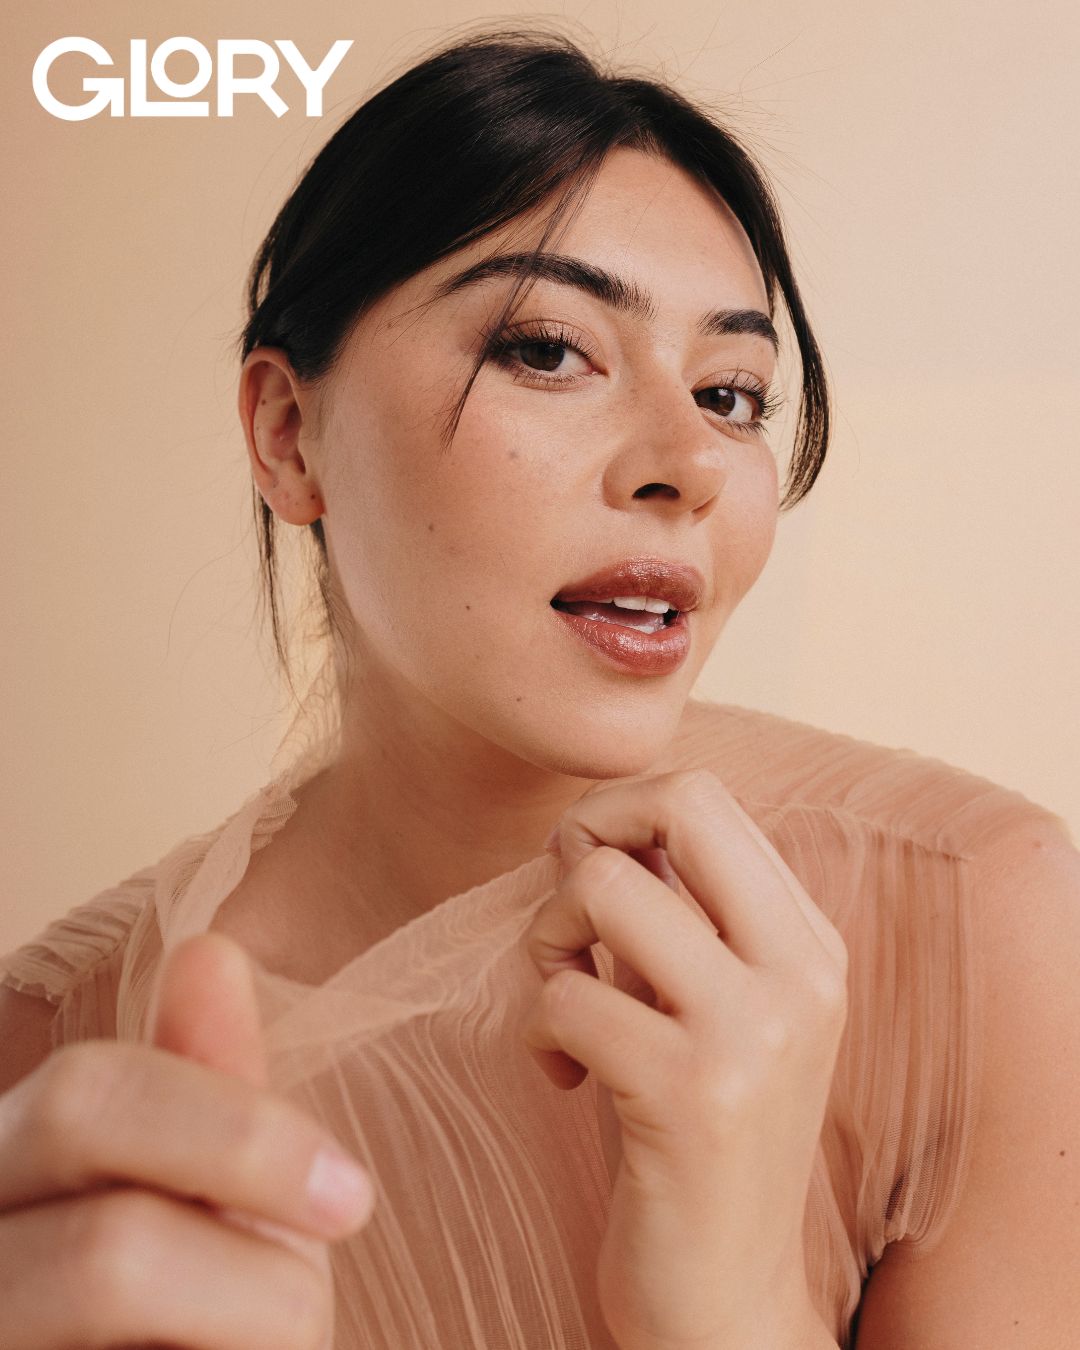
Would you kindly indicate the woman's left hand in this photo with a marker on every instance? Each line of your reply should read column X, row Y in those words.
column 714, row 1060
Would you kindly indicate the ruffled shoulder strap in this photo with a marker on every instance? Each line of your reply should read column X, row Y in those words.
column 195, row 877
column 96, row 963
column 776, row 759
column 71, row 946
column 74, row 962
column 886, row 841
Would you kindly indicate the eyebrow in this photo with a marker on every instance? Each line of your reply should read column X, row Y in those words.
column 624, row 296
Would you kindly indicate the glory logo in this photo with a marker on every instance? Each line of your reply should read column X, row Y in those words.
column 108, row 91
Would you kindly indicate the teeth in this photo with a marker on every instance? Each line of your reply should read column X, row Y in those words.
column 640, row 602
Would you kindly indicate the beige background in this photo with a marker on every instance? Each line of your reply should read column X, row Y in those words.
column 925, row 595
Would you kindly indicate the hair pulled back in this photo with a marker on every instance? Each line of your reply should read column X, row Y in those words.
column 459, row 145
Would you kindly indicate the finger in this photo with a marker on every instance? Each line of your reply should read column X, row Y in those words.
column 601, row 1030
column 610, row 898
column 126, row 1266
column 826, row 933
column 655, row 860
column 102, row 1111
column 819, row 923
column 311, row 1248
column 734, row 873
column 206, row 1010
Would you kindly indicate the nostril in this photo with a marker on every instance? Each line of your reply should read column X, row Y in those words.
column 657, row 490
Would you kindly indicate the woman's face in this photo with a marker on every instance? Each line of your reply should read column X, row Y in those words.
column 624, row 440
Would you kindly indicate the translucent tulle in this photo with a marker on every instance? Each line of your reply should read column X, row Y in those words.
column 492, row 1185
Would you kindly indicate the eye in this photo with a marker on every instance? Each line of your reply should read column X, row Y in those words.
column 725, row 400
column 743, row 402
column 537, row 354
column 546, row 356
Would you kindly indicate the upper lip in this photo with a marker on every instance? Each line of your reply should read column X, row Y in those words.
column 679, row 584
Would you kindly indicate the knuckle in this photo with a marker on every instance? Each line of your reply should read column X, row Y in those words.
column 537, row 946
column 306, row 1304
column 602, row 866
column 828, row 991
column 559, row 992
column 723, row 1094
column 776, row 1032
column 835, row 946
column 75, row 1082
column 104, row 1254
column 252, row 1139
column 695, row 785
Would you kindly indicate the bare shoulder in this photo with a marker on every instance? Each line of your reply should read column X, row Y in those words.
column 1035, row 845
column 25, row 1033
column 993, row 1275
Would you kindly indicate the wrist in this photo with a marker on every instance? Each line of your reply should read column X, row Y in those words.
column 804, row 1331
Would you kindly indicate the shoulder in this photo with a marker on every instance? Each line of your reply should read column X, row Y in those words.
column 25, row 1033
column 70, row 947
column 935, row 806
column 82, row 965
column 1027, row 884
column 1016, row 1210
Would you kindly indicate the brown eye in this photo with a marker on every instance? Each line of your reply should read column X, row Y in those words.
column 539, row 355
column 550, row 354
column 724, row 400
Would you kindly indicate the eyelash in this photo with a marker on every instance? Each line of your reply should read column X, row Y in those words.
column 499, row 346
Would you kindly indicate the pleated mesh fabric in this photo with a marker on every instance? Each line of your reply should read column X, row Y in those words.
column 492, row 1186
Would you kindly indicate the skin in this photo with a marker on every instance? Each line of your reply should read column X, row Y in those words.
column 160, row 1193
column 711, row 1092
column 485, row 719
column 488, row 722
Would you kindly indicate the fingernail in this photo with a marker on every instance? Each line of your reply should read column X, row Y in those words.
column 340, row 1191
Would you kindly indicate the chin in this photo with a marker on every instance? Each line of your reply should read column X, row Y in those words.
column 600, row 739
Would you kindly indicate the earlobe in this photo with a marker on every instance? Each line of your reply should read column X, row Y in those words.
column 270, row 408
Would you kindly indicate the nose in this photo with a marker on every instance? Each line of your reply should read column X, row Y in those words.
column 669, row 454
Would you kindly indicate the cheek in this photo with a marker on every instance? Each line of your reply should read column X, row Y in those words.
column 450, row 526
column 490, row 494
column 748, row 528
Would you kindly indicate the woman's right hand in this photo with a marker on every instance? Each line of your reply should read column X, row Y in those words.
column 161, row 1194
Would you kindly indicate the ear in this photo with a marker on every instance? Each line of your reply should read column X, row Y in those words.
column 273, row 407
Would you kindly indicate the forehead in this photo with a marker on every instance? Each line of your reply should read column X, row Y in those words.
column 645, row 219
column 647, row 213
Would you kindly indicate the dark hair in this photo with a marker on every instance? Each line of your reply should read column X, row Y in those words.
column 457, row 146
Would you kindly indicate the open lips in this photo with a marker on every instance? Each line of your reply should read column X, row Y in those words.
column 646, row 594
column 645, row 613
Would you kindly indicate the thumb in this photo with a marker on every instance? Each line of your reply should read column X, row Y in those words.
column 206, row 1008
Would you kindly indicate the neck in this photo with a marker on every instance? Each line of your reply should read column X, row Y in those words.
column 419, row 807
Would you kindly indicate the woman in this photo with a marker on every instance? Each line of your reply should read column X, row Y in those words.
column 510, row 354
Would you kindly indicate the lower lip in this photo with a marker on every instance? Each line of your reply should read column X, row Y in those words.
column 656, row 653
